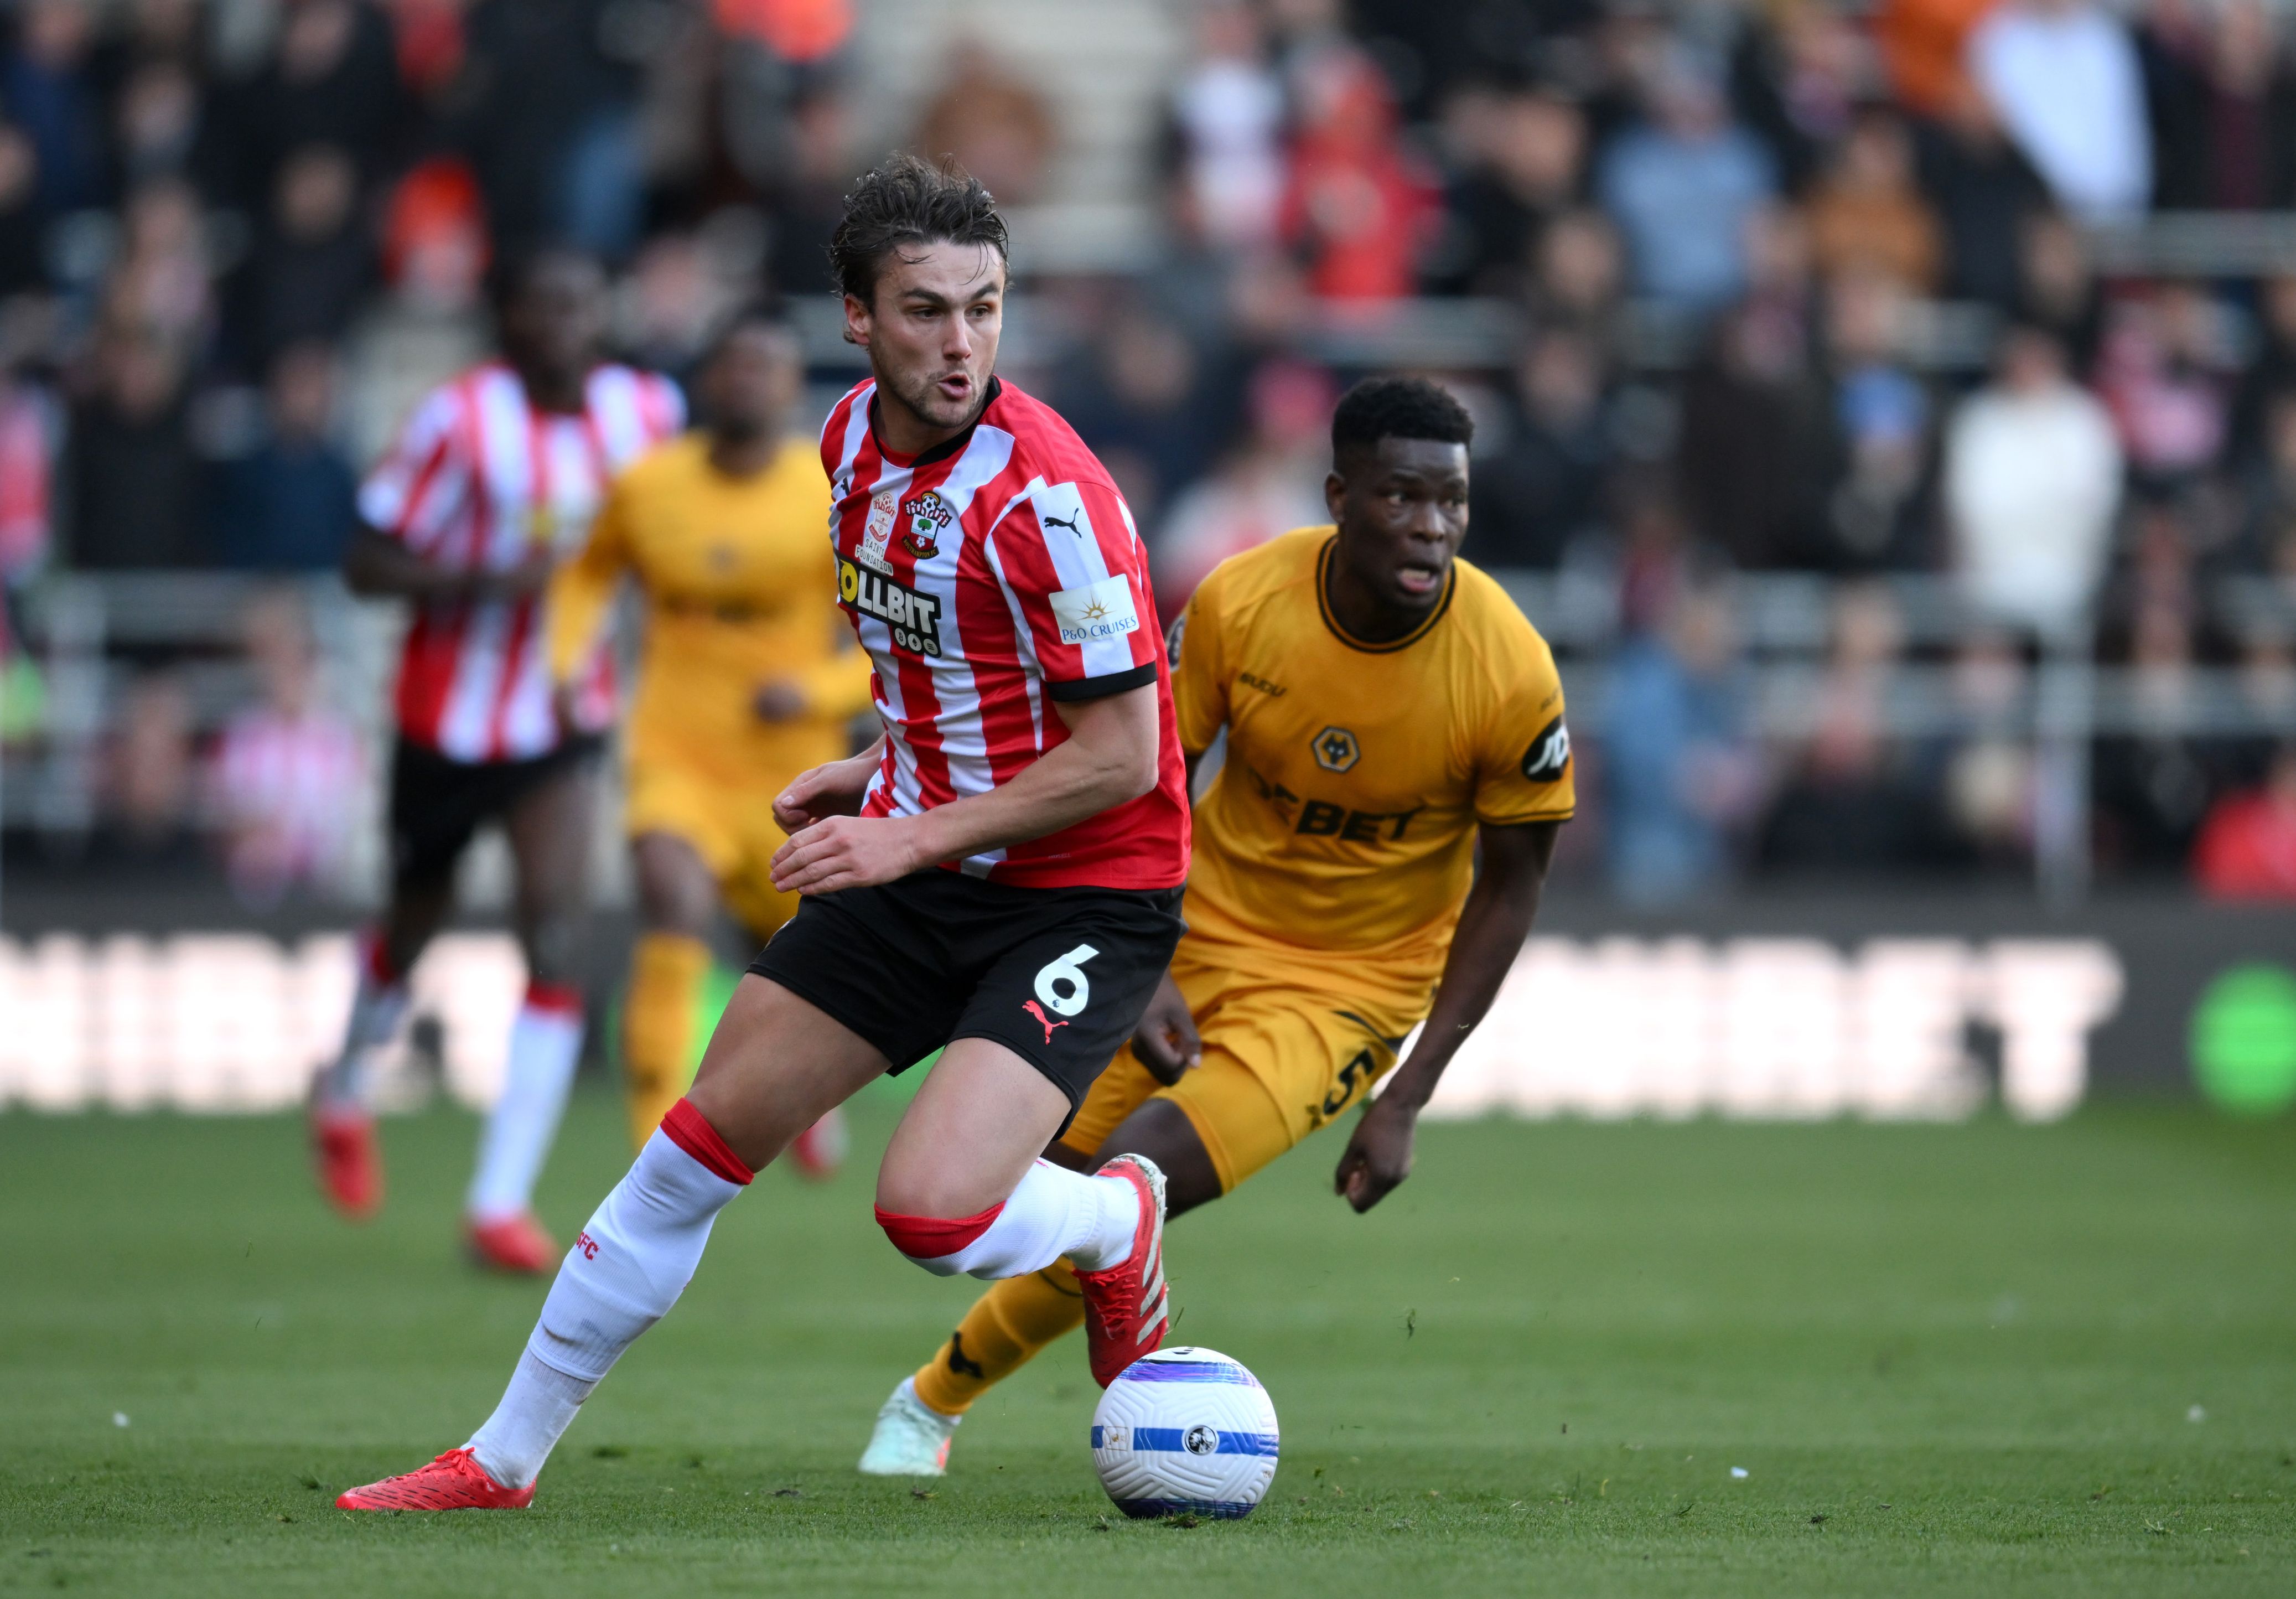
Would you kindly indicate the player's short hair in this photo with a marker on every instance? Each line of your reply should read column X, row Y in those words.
column 904, row 200
column 1380, row 408
column 756, row 314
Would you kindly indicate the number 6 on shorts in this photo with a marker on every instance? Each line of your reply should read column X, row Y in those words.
column 1069, row 969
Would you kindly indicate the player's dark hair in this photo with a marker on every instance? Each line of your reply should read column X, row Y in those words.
column 513, row 271
column 1380, row 408
column 759, row 315
column 903, row 201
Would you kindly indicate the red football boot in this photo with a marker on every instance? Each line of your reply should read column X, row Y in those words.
column 453, row 1481
column 516, row 1244
column 820, row 1149
column 1124, row 1305
column 349, row 1160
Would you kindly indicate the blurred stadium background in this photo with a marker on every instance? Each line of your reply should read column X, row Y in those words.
column 1888, row 408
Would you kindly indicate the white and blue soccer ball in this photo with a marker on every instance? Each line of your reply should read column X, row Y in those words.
column 1184, row 1430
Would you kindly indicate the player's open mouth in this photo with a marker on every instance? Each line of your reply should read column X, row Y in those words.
column 1419, row 580
column 956, row 386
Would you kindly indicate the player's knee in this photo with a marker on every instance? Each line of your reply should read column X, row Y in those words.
column 551, row 944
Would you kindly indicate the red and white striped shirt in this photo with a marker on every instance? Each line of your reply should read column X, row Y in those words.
column 985, row 576
column 478, row 479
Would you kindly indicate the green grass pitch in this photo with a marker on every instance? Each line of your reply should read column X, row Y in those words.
column 1953, row 1360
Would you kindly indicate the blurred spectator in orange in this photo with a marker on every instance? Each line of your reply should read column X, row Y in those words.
column 1868, row 213
column 2062, row 75
column 1541, row 489
column 1682, row 184
column 1680, row 776
column 47, row 89
column 994, row 121
column 1852, row 801
column 1269, row 484
column 23, row 223
column 802, row 31
column 1923, row 45
column 1527, row 168
column 2246, row 848
column 2032, row 482
column 1359, row 206
column 313, row 260
column 129, row 472
column 291, row 504
column 1226, row 130
column 2224, row 107
column 287, row 771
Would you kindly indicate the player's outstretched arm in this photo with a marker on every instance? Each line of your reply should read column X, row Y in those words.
column 378, row 566
column 1492, row 926
column 1110, row 758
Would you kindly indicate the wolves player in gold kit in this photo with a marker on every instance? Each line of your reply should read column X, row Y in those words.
column 1389, row 713
column 749, row 677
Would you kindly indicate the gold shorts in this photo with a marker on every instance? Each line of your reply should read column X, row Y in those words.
column 731, row 828
column 1287, row 1047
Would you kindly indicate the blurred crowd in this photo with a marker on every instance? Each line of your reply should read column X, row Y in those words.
column 1805, row 286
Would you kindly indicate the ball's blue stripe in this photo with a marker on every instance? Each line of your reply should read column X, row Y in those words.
column 1152, row 1370
column 1176, row 1438
column 1220, row 1510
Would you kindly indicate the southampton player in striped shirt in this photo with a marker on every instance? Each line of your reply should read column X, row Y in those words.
column 1001, row 875
column 492, row 484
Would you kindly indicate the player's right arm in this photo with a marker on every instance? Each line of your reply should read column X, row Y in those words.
column 407, row 504
column 582, row 590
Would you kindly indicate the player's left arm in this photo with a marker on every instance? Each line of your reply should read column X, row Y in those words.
column 1492, row 926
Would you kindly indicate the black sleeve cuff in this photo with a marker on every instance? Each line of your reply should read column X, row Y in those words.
column 1100, row 688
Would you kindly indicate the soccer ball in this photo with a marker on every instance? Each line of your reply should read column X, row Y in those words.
column 1184, row 1430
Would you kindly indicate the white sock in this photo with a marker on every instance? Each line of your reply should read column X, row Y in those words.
column 624, row 1273
column 378, row 1005
column 1053, row 1212
column 536, row 1410
column 545, row 1045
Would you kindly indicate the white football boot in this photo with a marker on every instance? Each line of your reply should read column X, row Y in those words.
column 911, row 1438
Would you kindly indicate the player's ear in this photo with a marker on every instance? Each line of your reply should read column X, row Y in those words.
column 856, row 322
column 1335, row 493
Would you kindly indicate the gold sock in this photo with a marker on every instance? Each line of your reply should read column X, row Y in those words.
column 667, row 971
column 1000, row 1335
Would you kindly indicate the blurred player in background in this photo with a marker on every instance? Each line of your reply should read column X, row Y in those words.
column 491, row 485
column 1389, row 713
column 750, row 677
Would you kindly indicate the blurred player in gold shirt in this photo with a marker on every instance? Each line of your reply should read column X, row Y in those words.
column 749, row 677
column 1389, row 713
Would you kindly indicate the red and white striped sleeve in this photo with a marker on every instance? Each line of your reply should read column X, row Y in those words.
column 1071, row 562
column 422, row 484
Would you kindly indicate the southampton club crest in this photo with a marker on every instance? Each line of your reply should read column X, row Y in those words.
column 927, row 516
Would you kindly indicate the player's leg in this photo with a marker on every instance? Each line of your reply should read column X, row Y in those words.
column 764, row 910
column 774, row 1063
column 549, row 825
column 1019, row 1316
column 431, row 823
column 677, row 898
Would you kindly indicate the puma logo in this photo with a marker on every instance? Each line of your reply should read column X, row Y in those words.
column 1068, row 522
column 1043, row 1021
column 958, row 1360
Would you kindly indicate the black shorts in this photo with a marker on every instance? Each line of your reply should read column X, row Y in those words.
column 438, row 804
column 1060, row 976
